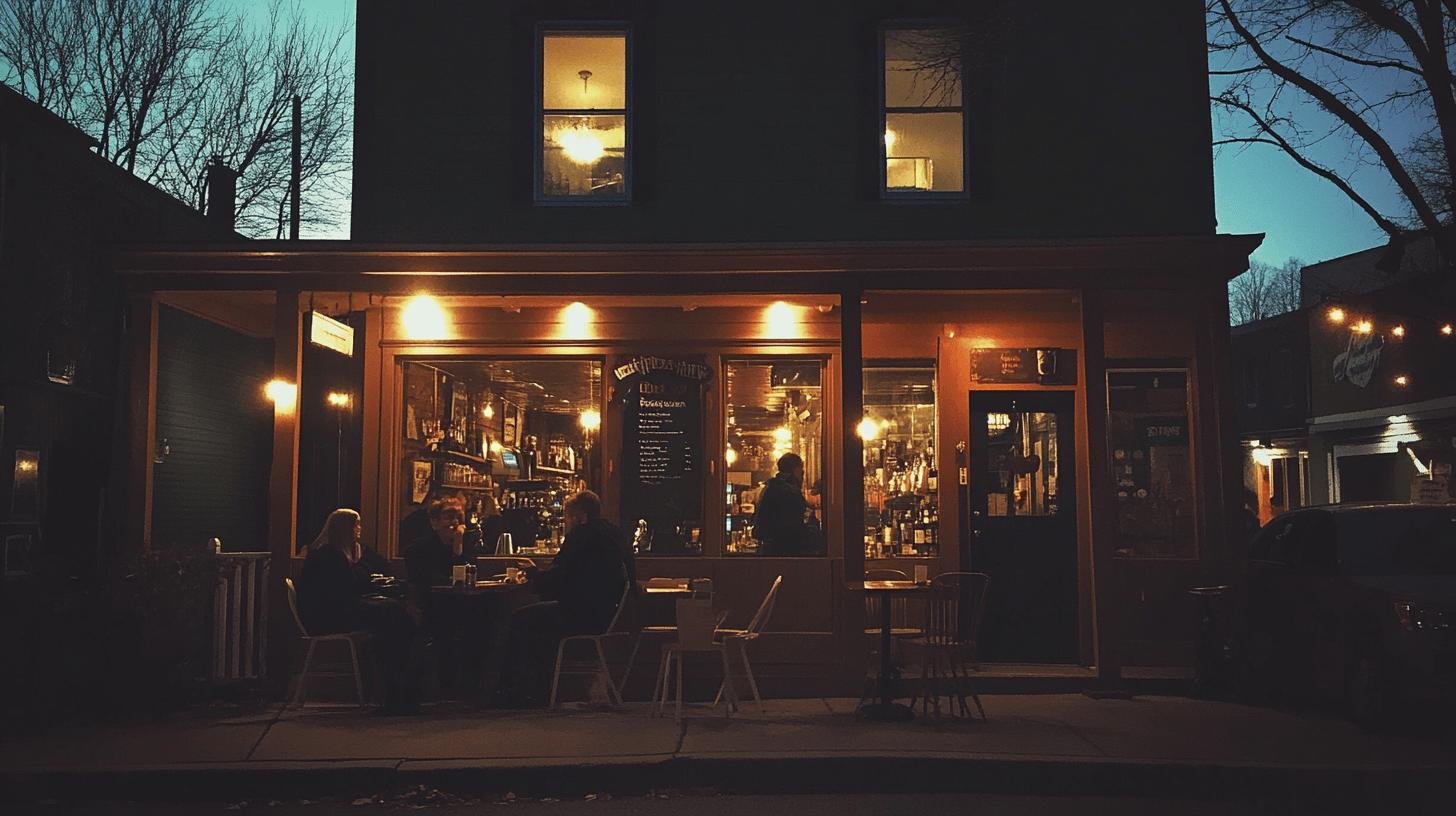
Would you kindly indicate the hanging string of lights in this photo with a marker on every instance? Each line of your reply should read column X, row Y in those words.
column 1365, row 326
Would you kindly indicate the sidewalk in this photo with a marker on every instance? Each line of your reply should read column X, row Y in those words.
column 1065, row 743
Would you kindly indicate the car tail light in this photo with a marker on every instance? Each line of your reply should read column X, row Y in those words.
column 1419, row 617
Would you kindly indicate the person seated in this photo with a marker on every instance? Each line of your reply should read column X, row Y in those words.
column 330, row 602
column 429, row 559
column 581, row 590
column 779, row 518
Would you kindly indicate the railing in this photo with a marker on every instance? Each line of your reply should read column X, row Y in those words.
column 240, row 616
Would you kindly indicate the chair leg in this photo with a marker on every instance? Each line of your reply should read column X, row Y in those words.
column 678, row 716
column 728, row 683
column 631, row 663
column 358, row 677
column 752, row 681
column 556, row 674
column 659, row 691
column 298, row 695
column 614, row 696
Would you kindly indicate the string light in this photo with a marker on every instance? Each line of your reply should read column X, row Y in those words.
column 1336, row 315
column 1446, row 330
column 1402, row 380
column 1398, row 331
column 1364, row 327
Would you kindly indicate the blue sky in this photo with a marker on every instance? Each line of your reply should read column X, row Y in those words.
column 1257, row 188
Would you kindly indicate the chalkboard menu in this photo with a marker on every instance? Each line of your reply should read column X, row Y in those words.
column 1044, row 366
column 662, row 449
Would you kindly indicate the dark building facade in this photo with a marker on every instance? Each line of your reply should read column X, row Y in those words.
column 959, row 257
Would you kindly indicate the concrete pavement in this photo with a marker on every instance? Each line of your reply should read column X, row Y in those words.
column 1032, row 744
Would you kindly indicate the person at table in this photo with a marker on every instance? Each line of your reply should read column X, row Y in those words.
column 330, row 601
column 430, row 559
column 416, row 526
column 581, row 591
column 779, row 518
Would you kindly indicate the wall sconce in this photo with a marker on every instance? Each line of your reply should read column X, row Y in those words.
column 576, row 320
column 424, row 318
column 283, row 395
column 340, row 400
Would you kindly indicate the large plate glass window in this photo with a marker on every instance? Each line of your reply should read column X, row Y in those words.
column 902, row 479
column 923, row 113
column 584, row 118
column 774, row 407
column 1152, row 462
column 511, row 438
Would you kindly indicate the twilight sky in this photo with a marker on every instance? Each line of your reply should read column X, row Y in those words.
column 1257, row 188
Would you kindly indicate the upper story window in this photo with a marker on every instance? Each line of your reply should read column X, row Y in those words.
column 922, row 113
column 584, row 104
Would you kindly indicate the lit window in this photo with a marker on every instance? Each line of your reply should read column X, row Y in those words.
column 584, row 103
column 922, row 116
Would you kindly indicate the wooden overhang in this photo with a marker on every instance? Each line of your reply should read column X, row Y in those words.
column 1161, row 262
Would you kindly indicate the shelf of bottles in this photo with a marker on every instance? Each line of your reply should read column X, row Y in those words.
column 902, row 479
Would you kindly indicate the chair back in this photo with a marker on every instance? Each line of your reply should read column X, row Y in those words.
column 955, row 607
column 873, row 600
column 625, row 619
column 765, row 609
column 293, row 606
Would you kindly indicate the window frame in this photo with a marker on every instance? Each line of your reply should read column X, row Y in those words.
column 539, row 113
column 926, row 196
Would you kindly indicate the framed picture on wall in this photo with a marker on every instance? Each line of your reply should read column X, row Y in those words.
column 419, row 480
column 459, row 406
column 508, row 425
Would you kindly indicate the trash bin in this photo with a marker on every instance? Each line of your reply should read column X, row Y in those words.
column 1213, row 643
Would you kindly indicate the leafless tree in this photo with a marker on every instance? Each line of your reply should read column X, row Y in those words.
column 1264, row 290
column 163, row 85
column 1334, row 84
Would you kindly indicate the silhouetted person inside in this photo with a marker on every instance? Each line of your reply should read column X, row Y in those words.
column 581, row 591
column 330, row 601
column 779, row 519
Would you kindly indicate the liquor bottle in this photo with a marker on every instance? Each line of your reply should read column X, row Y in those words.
column 932, row 476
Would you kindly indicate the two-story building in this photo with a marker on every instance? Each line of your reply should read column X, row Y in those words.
column 960, row 257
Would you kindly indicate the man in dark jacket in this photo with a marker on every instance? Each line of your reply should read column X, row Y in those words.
column 428, row 560
column 778, row 521
column 581, row 591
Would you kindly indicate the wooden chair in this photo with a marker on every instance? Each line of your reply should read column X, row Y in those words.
column 902, row 624
column 955, row 605
column 350, row 639
column 621, row 626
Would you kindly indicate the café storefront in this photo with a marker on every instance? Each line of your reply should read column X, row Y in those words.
column 1054, row 415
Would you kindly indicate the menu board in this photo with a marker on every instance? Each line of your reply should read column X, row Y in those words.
column 662, row 449
column 1045, row 366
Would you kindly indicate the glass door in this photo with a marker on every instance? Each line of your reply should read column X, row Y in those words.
column 1022, row 504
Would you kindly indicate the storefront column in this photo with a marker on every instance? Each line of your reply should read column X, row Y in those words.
column 283, row 482
column 141, row 421
column 851, row 516
column 1219, row 409
column 1107, row 600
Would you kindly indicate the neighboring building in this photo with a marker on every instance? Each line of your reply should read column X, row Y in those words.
column 63, row 208
column 663, row 243
column 1271, row 380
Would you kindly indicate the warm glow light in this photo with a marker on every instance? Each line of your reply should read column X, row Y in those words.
column 869, row 430
column 423, row 318
column 730, row 456
column 488, row 411
column 1364, row 327
column 1398, row 331
column 339, row 399
column 591, row 419
column 782, row 434
column 1336, row 315
column 496, row 446
column 781, row 319
column 1446, row 330
column 282, row 393
column 580, row 145
column 576, row 319
column 25, row 465
column 1402, row 380
column 889, row 140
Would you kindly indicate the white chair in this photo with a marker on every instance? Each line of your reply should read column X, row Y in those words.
column 350, row 639
column 596, row 666
column 738, row 640
column 701, row 588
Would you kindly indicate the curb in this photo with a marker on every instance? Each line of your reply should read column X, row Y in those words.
column 1341, row 786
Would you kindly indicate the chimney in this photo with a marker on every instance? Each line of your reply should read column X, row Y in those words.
column 222, row 194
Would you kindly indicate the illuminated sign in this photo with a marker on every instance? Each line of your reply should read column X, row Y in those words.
column 330, row 333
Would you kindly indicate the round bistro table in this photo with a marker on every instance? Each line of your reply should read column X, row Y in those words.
column 885, row 708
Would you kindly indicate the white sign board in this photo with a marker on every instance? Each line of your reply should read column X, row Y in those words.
column 330, row 333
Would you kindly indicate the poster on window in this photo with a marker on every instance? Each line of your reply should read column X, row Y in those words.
column 1148, row 443
column 661, row 403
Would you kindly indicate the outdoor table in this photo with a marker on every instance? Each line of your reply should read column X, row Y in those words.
column 886, row 708
column 473, row 618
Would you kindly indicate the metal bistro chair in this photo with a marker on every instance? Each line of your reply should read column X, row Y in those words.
column 902, row 623
column 623, row 622
column 738, row 640
column 699, row 587
column 955, row 605
column 351, row 639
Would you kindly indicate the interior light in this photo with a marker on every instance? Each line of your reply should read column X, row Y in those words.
column 282, row 393
column 591, row 419
column 339, row 399
column 889, row 140
column 1402, row 380
column 580, row 144
column 423, row 318
column 868, row 429
column 1364, row 327
column 1336, row 315
column 488, row 411
column 576, row 319
column 1398, row 331
column 781, row 319
column 782, row 434
column 730, row 456
column 1446, row 330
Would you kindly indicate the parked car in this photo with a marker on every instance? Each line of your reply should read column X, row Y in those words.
column 1354, row 603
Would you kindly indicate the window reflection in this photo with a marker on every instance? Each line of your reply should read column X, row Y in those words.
column 1151, row 462
column 924, row 115
column 1022, row 464
column 774, row 407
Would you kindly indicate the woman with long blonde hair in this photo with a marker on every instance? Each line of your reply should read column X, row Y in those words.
column 328, row 599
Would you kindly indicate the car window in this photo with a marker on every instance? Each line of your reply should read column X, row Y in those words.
column 1398, row 541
